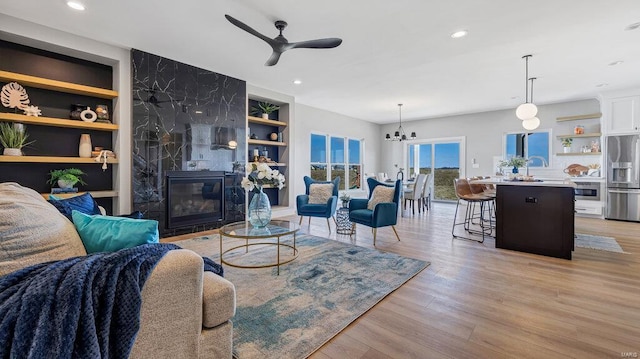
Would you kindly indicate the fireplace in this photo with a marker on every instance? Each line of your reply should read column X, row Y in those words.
column 194, row 198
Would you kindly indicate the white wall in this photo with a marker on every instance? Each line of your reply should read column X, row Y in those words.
column 31, row 34
column 309, row 119
column 484, row 133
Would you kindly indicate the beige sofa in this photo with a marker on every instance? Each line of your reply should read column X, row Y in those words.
column 185, row 313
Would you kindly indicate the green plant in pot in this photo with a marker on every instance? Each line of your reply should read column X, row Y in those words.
column 66, row 178
column 265, row 109
column 566, row 144
column 13, row 138
column 345, row 198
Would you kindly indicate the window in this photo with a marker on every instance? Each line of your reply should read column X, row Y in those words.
column 440, row 157
column 344, row 160
column 532, row 145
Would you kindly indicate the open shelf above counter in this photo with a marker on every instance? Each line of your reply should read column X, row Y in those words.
column 55, row 85
column 266, row 143
column 584, row 135
column 263, row 121
column 579, row 117
column 58, row 122
column 579, row 154
column 51, row 159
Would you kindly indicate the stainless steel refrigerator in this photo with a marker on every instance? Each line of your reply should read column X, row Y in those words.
column 623, row 177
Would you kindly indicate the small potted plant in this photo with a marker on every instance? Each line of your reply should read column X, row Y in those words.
column 265, row 108
column 515, row 162
column 13, row 137
column 566, row 144
column 345, row 198
column 66, row 178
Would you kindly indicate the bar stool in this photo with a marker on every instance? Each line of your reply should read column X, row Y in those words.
column 463, row 193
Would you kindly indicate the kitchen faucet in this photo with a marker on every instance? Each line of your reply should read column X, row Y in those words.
column 542, row 159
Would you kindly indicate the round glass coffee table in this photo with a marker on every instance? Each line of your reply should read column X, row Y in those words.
column 258, row 237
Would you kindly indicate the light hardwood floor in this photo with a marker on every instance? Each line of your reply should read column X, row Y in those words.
column 476, row 301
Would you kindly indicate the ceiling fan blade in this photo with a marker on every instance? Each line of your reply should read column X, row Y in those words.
column 275, row 56
column 248, row 29
column 317, row 44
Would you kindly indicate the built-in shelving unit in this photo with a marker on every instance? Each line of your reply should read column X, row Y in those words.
column 584, row 135
column 263, row 121
column 52, row 159
column 271, row 164
column 579, row 154
column 94, row 194
column 61, row 86
column 579, row 117
column 266, row 143
column 57, row 122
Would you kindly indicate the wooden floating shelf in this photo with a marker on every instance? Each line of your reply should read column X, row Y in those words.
column 268, row 186
column 596, row 134
column 579, row 154
column 266, row 143
column 272, row 164
column 55, row 85
column 263, row 121
column 50, row 159
column 579, row 117
column 94, row 194
column 58, row 122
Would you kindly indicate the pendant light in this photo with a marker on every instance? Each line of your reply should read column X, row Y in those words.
column 399, row 135
column 526, row 110
column 533, row 122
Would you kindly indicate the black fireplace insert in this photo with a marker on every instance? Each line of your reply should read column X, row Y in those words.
column 194, row 198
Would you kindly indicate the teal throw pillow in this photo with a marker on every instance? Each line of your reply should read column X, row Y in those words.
column 109, row 234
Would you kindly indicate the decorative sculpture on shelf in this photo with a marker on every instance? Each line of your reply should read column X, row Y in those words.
column 13, row 95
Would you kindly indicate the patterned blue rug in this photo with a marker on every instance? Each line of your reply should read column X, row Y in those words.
column 317, row 295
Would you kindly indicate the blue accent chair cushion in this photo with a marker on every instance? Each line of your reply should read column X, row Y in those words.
column 383, row 214
column 317, row 210
column 109, row 234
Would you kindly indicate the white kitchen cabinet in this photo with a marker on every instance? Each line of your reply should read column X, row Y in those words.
column 622, row 114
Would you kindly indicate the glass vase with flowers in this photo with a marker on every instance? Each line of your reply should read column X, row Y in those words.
column 258, row 176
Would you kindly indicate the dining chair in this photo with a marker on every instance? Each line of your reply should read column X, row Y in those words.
column 415, row 194
column 426, row 192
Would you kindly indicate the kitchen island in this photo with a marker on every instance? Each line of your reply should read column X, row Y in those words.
column 535, row 217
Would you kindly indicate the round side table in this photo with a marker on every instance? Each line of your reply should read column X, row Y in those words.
column 343, row 224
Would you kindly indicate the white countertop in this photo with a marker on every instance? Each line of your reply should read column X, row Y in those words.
column 543, row 183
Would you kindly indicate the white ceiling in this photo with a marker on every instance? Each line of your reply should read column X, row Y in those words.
column 392, row 51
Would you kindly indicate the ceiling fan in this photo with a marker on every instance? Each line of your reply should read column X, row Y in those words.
column 280, row 44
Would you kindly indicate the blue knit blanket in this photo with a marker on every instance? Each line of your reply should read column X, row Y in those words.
column 81, row 307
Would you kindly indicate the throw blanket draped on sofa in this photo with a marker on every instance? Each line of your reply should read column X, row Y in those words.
column 81, row 307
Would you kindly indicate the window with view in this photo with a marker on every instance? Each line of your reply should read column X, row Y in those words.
column 533, row 145
column 344, row 160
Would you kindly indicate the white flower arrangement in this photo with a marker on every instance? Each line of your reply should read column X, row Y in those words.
column 261, row 174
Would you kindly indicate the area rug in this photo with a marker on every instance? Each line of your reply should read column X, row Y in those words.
column 317, row 295
column 597, row 242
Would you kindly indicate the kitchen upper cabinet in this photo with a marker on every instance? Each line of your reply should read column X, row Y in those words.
column 622, row 114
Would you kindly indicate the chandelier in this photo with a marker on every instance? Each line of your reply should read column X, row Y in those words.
column 399, row 135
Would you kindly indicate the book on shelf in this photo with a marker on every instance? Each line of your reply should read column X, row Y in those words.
column 58, row 190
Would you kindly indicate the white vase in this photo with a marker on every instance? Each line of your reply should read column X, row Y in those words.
column 265, row 116
column 64, row 184
column 84, row 150
column 566, row 149
column 12, row 152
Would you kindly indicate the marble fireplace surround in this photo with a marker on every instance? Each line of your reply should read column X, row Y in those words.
column 185, row 119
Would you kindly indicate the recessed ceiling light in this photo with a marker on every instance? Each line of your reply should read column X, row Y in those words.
column 297, row 82
column 198, row 112
column 615, row 63
column 602, row 85
column 632, row 26
column 459, row 34
column 76, row 5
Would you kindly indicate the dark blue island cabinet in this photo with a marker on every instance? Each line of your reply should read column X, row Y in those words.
column 535, row 219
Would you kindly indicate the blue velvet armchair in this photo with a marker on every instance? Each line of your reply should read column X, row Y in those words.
column 324, row 210
column 383, row 214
